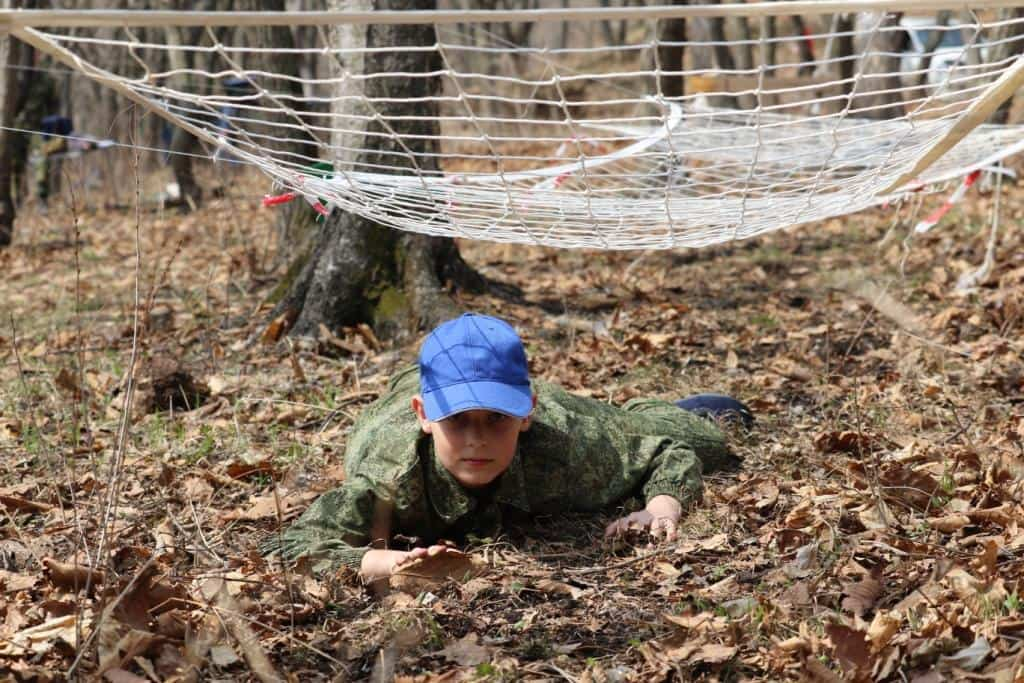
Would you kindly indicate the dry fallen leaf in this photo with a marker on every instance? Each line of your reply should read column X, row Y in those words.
column 466, row 651
column 971, row 657
column 553, row 587
column 266, row 507
column 862, row 595
column 73, row 577
column 427, row 572
column 851, row 648
column 948, row 524
column 41, row 638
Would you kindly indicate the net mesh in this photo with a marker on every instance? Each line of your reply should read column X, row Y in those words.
column 635, row 133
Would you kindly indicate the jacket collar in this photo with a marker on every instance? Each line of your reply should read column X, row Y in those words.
column 451, row 500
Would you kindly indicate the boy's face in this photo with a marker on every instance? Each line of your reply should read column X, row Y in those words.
column 476, row 446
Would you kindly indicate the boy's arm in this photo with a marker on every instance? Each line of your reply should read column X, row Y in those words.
column 335, row 531
column 674, row 471
column 673, row 478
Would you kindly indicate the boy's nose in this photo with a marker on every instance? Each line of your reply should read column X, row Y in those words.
column 474, row 434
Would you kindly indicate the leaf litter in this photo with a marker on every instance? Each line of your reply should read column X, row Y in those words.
column 873, row 531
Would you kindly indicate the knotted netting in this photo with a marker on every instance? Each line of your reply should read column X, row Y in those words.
column 628, row 128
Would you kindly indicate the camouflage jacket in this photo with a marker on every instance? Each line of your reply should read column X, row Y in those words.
column 579, row 454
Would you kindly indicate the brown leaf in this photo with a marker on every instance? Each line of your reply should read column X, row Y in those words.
column 215, row 591
column 197, row 489
column 721, row 590
column 11, row 582
column 148, row 598
column 714, row 653
column 241, row 470
column 429, row 572
column 118, row 645
column 851, row 648
column 949, row 524
column 122, row 676
column 70, row 576
column 22, row 505
column 696, row 651
column 971, row 657
column 1000, row 516
column 916, row 487
column 854, row 443
column 862, row 595
column 703, row 622
column 266, row 507
column 277, row 327
column 986, row 563
column 466, row 651
column 67, row 382
column 883, row 627
column 553, row 587
column 42, row 637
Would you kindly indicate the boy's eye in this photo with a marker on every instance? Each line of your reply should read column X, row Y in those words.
column 495, row 418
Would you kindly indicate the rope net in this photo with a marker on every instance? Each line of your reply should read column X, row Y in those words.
column 623, row 133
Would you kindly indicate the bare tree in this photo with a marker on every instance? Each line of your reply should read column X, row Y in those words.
column 9, row 90
column 1010, row 42
column 879, row 92
column 27, row 96
column 359, row 271
column 671, row 52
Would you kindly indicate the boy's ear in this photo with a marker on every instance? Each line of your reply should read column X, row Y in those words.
column 529, row 418
column 417, row 407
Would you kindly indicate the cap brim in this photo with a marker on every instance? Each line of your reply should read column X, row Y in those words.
column 510, row 399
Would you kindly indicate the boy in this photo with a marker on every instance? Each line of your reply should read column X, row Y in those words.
column 465, row 443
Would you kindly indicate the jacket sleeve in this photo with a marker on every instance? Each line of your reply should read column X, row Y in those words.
column 673, row 470
column 334, row 531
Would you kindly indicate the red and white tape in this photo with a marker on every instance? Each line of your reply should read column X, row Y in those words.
column 932, row 219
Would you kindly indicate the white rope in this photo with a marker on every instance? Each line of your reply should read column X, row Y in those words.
column 575, row 145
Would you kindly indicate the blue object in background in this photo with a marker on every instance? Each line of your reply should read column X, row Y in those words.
column 55, row 124
column 718, row 407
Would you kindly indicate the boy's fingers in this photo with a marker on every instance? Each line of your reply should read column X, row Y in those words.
column 664, row 528
column 617, row 528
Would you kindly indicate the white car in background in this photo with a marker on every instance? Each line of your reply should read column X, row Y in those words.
column 951, row 51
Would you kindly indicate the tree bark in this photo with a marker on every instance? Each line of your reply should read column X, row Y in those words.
column 183, row 144
column 9, row 89
column 670, row 57
column 1013, row 35
column 359, row 271
column 26, row 98
column 881, row 97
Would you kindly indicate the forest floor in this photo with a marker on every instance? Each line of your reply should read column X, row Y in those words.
column 874, row 530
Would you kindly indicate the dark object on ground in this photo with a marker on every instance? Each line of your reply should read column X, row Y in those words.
column 718, row 407
column 167, row 384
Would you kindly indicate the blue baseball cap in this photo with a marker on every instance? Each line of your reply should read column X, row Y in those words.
column 474, row 362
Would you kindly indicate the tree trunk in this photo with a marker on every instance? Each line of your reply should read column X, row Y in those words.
column 881, row 96
column 670, row 57
column 1013, row 37
column 358, row 271
column 184, row 145
column 26, row 98
column 803, row 44
column 9, row 90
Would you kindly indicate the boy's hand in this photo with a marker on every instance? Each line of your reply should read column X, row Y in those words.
column 659, row 517
column 380, row 564
column 421, row 553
